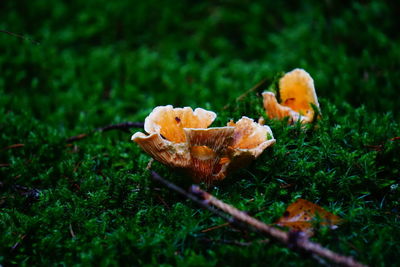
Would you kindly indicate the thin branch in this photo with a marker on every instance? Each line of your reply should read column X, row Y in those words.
column 20, row 37
column 76, row 138
column 16, row 245
column 252, row 89
column 31, row 193
column 234, row 242
column 119, row 126
column 381, row 146
column 71, row 231
column 214, row 227
column 163, row 202
column 294, row 240
column 192, row 197
column 13, row 146
column 394, row 138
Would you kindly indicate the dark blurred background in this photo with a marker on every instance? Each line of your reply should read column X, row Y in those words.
column 101, row 60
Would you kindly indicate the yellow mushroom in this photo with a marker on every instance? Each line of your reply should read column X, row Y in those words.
column 297, row 94
column 179, row 138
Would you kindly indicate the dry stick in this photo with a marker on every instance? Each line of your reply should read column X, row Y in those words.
column 382, row 145
column 18, row 243
column 192, row 197
column 119, row 126
column 292, row 240
column 283, row 237
column 76, row 138
column 20, row 36
column 71, row 231
column 234, row 242
column 254, row 88
column 214, row 227
column 13, row 146
column 163, row 202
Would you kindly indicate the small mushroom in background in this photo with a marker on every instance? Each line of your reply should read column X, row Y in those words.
column 297, row 95
column 180, row 138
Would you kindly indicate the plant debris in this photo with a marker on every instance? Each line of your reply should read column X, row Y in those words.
column 303, row 215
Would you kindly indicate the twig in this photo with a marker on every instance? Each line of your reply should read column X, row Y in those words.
column 252, row 89
column 71, row 231
column 20, row 36
column 119, row 126
column 30, row 193
column 163, row 202
column 294, row 240
column 192, row 197
column 148, row 167
column 13, row 146
column 76, row 138
column 214, row 227
column 382, row 145
column 16, row 245
column 234, row 242
column 394, row 138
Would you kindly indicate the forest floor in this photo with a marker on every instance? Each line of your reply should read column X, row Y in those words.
column 88, row 64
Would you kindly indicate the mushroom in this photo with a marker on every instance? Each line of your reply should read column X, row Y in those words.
column 180, row 138
column 297, row 95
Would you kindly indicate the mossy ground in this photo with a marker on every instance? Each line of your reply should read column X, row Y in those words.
column 104, row 62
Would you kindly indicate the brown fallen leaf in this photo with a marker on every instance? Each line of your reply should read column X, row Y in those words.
column 303, row 214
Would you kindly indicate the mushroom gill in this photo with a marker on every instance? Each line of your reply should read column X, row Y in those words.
column 179, row 138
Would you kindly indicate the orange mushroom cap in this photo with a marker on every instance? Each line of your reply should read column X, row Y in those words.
column 179, row 137
column 297, row 95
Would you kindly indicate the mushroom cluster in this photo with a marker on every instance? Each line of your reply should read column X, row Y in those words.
column 180, row 138
column 297, row 98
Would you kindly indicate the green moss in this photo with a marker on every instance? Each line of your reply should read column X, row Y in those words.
column 104, row 62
